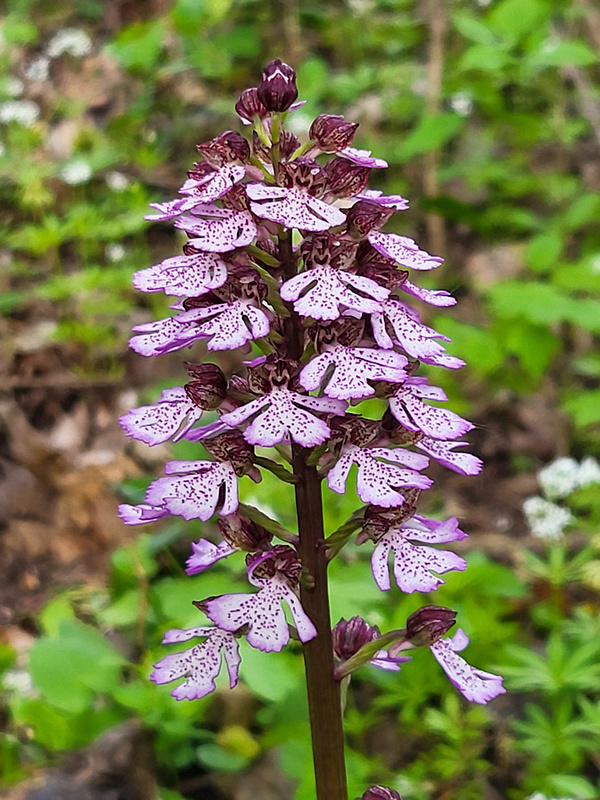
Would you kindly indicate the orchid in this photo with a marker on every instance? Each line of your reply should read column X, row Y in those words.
column 286, row 265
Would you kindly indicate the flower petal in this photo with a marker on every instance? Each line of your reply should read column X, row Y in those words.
column 142, row 514
column 263, row 614
column 403, row 250
column 465, row 463
column 196, row 493
column 200, row 665
column 438, row 423
column 183, row 276
column 352, row 367
column 171, row 417
column 475, row 684
column 322, row 292
column 205, row 554
column 218, row 230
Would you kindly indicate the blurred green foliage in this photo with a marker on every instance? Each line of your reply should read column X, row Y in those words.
column 504, row 150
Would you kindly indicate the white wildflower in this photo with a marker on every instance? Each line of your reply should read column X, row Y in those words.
column 462, row 104
column 12, row 86
column 18, row 681
column 73, row 41
column 2, row 149
column 115, row 252
column 116, row 181
column 546, row 520
column 559, row 478
column 23, row 111
column 589, row 472
column 76, row 172
column 38, row 69
column 595, row 265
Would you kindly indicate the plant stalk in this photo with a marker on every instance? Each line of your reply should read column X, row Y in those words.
column 324, row 698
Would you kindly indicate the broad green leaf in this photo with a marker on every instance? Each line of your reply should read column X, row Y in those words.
column 555, row 53
column 584, row 408
column 485, row 58
column 70, row 667
column 138, row 47
column 431, row 133
column 512, row 19
column 544, row 250
column 473, row 28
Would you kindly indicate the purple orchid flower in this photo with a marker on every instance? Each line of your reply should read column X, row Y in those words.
column 407, row 405
column 183, row 276
column 415, row 563
column 475, row 684
column 343, row 372
column 193, row 489
column 170, row 418
column 201, row 664
column 379, row 474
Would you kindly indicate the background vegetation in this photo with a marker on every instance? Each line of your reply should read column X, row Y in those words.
column 488, row 113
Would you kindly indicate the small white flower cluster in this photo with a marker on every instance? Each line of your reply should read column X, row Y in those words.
column 76, row 172
column 24, row 112
column 117, row 181
column 462, row 104
column 540, row 796
column 558, row 480
column 38, row 69
column 72, row 41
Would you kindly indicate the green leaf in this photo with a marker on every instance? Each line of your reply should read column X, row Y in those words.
column 512, row 19
column 432, row 132
column 544, row 250
column 484, row 58
column 69, row 668
column 584, row 408
column 474, row 29
column 271, row 676
column 138, row 47
column 573, row 786
column 554, row 53
column 585, row 210
column 538, row 302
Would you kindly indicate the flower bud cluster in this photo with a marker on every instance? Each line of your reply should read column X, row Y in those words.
column 325, row 322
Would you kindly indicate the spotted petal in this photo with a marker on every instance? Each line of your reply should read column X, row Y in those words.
column 142, row 514
column 475, row 684
column 165, row 335
column 195, row 492
column 230, row 325
column 218, row 230
column 282, row 412
column 363, row 158
column 407, row 405
column 201, row 664
column 394, row 201
column 344, row 372
column 403, row 250
column 264, row 615
column 379, row 474
column 438, row 297
column 293, row 208
column 183, row 276
column 322, row 292
column 415, row 338
column 171, row 417
column 205, row 554
column 413, row 564
column 213, row 185
column 465, row 463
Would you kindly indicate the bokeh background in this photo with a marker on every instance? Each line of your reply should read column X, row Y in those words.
column 488, row 112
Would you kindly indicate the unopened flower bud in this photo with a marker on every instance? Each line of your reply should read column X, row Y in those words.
column 243, row 534
column 428, row 624
column 380, row 793
column 249, row 106
column 227, row 148
column 364, row 216
column 231, row 446
column 332, row 132
column 208, row 387
column 345, row 179
column 288, row 144
column 277, row 89
column 282, row 559
column 350, row 635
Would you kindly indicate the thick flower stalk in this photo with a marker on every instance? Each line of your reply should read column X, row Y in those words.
column 287, row 263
